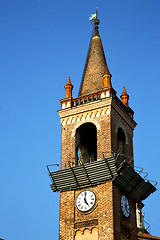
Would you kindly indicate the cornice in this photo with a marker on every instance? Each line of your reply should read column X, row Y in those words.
column 97, row 105
column 123, row 114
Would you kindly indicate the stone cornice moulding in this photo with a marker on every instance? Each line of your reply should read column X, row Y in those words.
column 129, row 121
column 84, row 108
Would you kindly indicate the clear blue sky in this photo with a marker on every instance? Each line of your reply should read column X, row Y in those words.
column 41, row 43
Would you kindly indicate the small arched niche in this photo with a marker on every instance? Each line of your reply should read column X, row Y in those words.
column 121, row 140
column 86, row 144
column 87, row 234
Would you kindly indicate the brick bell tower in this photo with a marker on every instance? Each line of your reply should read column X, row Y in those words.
column 98, row 185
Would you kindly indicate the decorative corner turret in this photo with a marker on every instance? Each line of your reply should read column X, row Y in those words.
column 125, row 97
column 66, row 102
column 107, row 78
column 68, row 88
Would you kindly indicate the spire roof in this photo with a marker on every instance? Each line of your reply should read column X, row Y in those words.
column 96, row 66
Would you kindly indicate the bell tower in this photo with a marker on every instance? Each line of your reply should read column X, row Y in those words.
column 98, row 185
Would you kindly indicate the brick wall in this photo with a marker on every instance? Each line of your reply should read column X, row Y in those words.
column 106, row 216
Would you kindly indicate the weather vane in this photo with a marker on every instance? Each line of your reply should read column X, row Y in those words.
column 94, row 16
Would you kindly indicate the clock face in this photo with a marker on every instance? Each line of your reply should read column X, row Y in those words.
column 125, row 206
column 85, row 200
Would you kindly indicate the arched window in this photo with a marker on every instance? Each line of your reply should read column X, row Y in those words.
column 86, row 144
column 121, row 141
column 121, row 138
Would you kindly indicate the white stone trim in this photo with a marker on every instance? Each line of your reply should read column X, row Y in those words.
column 87, row 116
column 95, row 122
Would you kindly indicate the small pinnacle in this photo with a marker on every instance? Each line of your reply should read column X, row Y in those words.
column 125, row 97
column 124, row 92
column 69, row 81
column 107, row 72
column 68, row 88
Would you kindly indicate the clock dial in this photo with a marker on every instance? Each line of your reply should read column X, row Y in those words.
column 125, row 206
column 85, row 200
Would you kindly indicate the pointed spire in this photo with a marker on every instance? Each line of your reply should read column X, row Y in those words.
column 107, row 78
column 95, row 67
column 68, row 88
column 125, row 97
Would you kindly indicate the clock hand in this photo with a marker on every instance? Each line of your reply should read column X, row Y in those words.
column 85, row 199
column 86, row 202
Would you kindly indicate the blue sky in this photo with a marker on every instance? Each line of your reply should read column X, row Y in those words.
column 43, row 42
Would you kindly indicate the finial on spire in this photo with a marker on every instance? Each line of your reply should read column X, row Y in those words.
column 94, row 16
column 68, row 88
column 95, row 21
column 125, row 97
column 97, row 11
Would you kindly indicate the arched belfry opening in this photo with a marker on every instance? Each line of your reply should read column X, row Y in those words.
column 121, row 140
column 86, row 144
